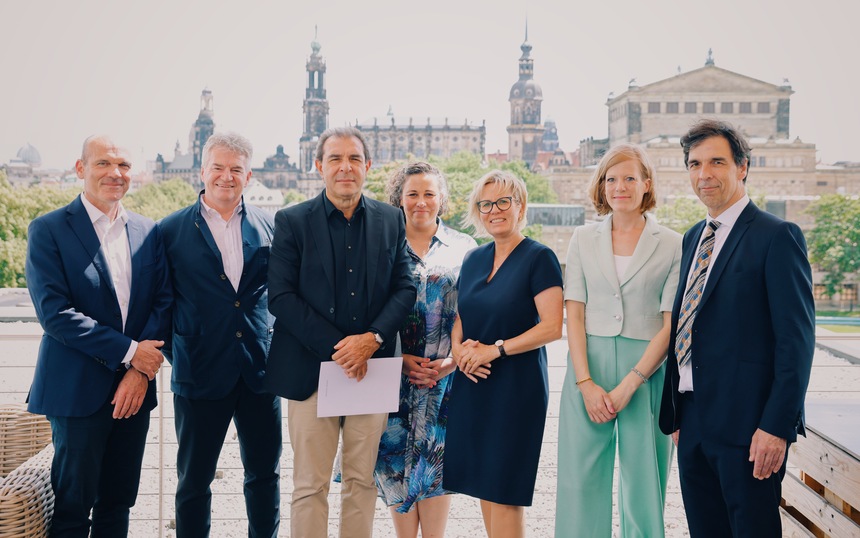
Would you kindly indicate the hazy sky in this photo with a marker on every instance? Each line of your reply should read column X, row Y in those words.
column 135, row 69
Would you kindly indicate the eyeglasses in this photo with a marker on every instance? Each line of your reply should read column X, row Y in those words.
column 504, row 203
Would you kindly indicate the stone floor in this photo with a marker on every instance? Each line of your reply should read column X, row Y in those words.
column 832, row 378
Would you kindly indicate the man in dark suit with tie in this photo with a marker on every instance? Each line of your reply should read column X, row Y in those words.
column 340, row 288
column 743, row 334
column 98, row 279
column 218, row 253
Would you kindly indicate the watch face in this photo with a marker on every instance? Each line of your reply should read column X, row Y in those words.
column 500, row 342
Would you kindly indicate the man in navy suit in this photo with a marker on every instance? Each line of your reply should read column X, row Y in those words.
column 741, row 348
column 218, row 253
column 98, row 280
column 340, row 289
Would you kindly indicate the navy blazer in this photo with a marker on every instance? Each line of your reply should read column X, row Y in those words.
column 302, row 290
column 753, row 336
column 218, row 333
column 72, row 290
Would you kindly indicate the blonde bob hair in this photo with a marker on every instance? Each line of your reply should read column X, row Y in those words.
column 506, row 181
column 616, row 155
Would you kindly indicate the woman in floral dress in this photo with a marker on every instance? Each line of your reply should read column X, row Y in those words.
column 409, row 466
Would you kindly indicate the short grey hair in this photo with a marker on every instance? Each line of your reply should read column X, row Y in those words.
column 507, row 181
column 231, row 141
column 394, row 187
column 341, row 132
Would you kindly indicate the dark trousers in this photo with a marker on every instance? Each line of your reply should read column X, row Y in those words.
column 721, row 496
column 96, row 467
column 201, row 426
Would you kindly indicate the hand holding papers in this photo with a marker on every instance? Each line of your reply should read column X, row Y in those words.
column 378, row 392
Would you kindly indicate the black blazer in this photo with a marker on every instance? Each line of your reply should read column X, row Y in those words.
column 753, row 336
column 218, row 333
column 302, row 291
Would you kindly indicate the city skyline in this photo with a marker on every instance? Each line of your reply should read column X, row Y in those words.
column 136, row 71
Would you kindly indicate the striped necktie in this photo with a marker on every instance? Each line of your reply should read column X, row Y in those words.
column 693, row 295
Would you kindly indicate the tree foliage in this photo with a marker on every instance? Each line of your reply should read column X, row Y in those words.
column 681, row 214
column 293, row 196
column 462, row 170
column 19, row 206
column 157, row 200
column 834, row 243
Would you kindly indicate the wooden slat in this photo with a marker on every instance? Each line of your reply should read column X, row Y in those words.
column 822, row 514
column 829, row 465
column 791, row 528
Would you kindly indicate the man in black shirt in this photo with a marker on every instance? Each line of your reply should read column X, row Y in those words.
column 339, row 287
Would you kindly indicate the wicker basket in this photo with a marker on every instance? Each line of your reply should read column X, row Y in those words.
column 22, row 435
column 26, row 498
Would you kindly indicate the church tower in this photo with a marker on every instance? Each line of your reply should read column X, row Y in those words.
column 525, row 131
column 315, row 107
column 202, row 128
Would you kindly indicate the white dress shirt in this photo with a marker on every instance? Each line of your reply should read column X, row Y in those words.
column 727, row 220
column 113, row 238
column 228, row 238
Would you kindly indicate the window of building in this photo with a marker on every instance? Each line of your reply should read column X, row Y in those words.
column 763, row 108
column 745, row 108
column 708, row 108
column 672, row 108
column 690, row 108
column 821, row 183
column 762, row 161
column 654, row 108
column 727, row 108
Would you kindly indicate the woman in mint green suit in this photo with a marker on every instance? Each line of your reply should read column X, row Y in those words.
column 620, row 282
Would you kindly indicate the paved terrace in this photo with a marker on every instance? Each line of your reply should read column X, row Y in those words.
column 832, row 378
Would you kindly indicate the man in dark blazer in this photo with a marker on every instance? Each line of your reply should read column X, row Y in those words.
column 218, row 253
column 738, row 369
column 98, row 280
column 340, row 288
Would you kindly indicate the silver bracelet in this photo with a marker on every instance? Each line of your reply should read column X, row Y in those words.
column 640, row 374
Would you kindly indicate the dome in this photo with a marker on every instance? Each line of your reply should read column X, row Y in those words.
column 526, row 89
column 30, row 155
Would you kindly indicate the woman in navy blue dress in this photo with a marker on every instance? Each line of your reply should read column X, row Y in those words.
column 509, row 306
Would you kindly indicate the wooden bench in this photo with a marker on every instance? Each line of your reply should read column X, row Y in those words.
column 823, row 499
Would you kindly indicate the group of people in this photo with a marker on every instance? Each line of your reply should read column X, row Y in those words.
column 246, row 307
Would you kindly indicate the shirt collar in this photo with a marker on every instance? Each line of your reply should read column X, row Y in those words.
column 96, row 213
column 728, row 217
column 330, row 207
column 214, row 212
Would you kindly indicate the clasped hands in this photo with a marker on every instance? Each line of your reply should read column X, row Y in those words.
column 425, row 373
column 353, row 352
column 145, row 362
column 473, row 358
column 603, row 406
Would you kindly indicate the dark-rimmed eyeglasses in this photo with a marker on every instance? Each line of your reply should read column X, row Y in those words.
column 504, row 203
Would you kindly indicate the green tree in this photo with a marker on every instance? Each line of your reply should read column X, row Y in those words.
column 157, row 200
column 293, row 196
column 681, row 214
column 18, row 207
column 834, row 243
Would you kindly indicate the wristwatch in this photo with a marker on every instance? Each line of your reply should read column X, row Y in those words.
column 377, row 337
column 501, row 345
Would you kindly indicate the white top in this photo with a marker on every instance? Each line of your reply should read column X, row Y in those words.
column 727, row 220
column 117, row 252
column 228, row 238
column 621, row 265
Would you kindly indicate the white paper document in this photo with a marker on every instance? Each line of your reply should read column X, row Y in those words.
column 378, row 392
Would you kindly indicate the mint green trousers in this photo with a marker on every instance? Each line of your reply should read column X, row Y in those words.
column 586, row 451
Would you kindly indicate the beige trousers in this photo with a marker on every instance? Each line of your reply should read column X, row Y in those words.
column 314, row 441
